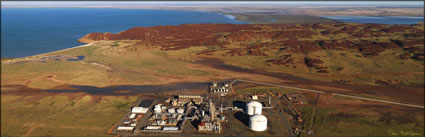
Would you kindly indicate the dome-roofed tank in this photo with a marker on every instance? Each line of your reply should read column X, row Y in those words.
column 180, row 110
column 157, row 110
column 254, row 107
column 171, row 110
column 258, row 123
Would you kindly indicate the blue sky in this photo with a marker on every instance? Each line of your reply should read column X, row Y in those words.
column 135, row 3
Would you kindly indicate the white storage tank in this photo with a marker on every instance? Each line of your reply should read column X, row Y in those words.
column 180, row 110
column 258, row 123
column 171, row 110
column 254, row 107
column 157, row 110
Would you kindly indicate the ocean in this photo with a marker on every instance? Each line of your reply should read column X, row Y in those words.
column 32, row 31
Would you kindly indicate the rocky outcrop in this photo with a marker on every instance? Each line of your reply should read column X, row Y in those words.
column 92, row 37
column 310, row 62
column 285, row 60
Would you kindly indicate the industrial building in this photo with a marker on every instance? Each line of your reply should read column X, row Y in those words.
column 207, row 114
column 142, row 107
column 170, row 116
column 139, row 110
column 181, row 100
column 125, row 128
column 208, row 119
column 220, row 88
column 166, row 116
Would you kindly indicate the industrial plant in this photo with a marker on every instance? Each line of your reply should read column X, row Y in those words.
column 209, row 113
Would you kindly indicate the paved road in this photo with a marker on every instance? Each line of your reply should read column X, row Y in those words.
column 336, row 94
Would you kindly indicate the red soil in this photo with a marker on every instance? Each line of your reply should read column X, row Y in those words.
column 282, row 37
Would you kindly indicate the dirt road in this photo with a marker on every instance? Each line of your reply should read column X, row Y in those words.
column 336, row 94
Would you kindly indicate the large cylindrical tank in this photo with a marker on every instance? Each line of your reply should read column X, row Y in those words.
column 254, row 107
column 258, row 123
column 180, row 110
column 171, row 110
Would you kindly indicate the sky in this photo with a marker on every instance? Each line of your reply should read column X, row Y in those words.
column 182, row 3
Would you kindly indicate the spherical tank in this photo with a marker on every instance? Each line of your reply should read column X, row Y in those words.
column 254, row 107
column 258, row 123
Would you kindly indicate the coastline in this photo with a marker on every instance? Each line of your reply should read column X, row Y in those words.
column 59, row 35
column 28, row 58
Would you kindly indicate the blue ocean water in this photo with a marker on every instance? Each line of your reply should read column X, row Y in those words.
column 378, row 19
column 31, row 31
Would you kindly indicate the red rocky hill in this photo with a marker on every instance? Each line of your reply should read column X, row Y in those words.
column 254, row 39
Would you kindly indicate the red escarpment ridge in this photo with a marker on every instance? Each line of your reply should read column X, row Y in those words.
column 257, row 39
column 92, row 37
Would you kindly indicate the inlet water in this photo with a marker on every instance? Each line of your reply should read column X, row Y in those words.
column 378, row 19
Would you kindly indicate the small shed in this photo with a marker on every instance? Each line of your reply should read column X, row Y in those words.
column 125, row 128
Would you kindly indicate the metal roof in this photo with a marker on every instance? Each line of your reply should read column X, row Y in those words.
column 145, row 103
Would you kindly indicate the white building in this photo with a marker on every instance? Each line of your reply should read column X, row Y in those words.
column 132, row 116
column 153, row 127
column 139, row 110
column 125, row 128
column 170, row 128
